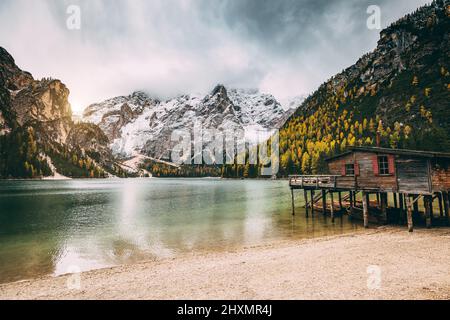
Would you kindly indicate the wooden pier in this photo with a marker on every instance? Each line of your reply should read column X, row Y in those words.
column 379, row 185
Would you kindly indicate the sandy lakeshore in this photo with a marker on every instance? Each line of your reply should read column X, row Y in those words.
column 410, row 266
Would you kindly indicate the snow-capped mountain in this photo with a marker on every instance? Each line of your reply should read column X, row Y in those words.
column 293, row 103
column 139, row 124
column 113, row 114
column 253, row 107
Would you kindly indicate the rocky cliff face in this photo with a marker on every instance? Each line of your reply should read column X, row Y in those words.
column 5, row 124
column 90, row 137
column 405, row 79
column 28, row 100
column 140, row 124
column 46, row 102
column 12, row 79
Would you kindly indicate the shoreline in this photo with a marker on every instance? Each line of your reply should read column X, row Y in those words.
column 51, row 178
column 411, row 266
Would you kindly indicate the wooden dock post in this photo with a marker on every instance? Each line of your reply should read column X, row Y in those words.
column 409, row 213
column 395, row 200
column 446, row 206
column 332, row 206
column 441, row 207
column 431, row 210
column 305, row 196
column 293, row 202
column 312, row 201
column 324, row 202
column 340, row 201
column 401, row 201
column 416, row 205
column 383, row 204
column 401, row 215
column 365, row 200
column 428, row 209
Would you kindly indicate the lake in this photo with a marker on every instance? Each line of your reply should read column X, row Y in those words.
column 57, row 227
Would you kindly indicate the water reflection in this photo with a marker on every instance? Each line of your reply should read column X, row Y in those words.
column 47, row 227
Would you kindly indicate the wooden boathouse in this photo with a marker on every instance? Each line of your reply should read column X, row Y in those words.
column 400, row 183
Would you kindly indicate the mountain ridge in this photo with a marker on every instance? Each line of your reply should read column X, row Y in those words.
column 147, row 128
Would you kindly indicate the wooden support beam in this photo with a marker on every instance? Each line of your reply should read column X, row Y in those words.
column 401, row 201
column 428, row 208
column 293, row 202
column 416, row 204
column 431, row 211
column 332, row 206
column 409, row 208
column 415, row 200
column 365, row 200
column 394, row 195
column 317, row 198
column 340, row 201
column 441, row 204
column 312, row 201
column 446, row 197
column 401, row 208
column 346, row 197
column 378, row 200
column 324, row 201
column 383, row 205
column 305, row 196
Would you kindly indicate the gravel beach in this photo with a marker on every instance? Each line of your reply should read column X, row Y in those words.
column 383, row 263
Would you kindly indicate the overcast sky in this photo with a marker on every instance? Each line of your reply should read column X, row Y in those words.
column 165, row 47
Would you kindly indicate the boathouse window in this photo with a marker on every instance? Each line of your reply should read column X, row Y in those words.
column 349, row 169
column 383, row 165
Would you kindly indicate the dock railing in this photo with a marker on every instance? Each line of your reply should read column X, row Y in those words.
column 315, row 181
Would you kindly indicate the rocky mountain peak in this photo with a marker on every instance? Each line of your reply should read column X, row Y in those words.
column 140, row 97
column 219, row 90
column 5, row 57
column 218, row 101
column 14, row 77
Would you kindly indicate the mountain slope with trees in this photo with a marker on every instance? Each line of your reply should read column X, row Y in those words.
column 396, row 96
column 37, row 135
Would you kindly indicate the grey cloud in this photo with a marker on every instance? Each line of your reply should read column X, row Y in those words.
column 167, row 47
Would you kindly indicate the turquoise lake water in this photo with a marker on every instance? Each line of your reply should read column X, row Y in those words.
column 56, row 227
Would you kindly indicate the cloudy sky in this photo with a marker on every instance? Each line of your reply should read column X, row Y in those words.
column 168, row 47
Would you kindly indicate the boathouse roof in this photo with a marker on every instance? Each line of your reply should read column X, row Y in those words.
column 403, row 152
